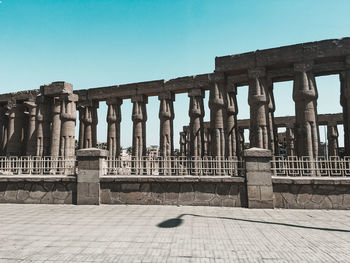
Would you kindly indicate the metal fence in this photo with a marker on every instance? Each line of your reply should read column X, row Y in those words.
column 305, row 166
column 33, row 165
column 175, row 166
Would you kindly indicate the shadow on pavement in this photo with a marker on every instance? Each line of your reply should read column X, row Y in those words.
column 176, row 222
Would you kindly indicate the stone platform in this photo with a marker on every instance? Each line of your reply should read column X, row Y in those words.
column 66, row 233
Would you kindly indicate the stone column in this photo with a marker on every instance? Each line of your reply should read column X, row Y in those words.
column 139, row 118
column 217, row 107
column 16, row 130
column 90, row 168
column 95, row 106
column 232, row 111
column 3, row 130
column 290, row 147
column 332, row 136
column 196, row 113
column 258, row 101
column 345, row 102
column 31, row 129
column 81, row 110
column 305, row 97
column 90, row 120
column 114, row 117
column 273, row 143
column 56, row 127
column 206, row 142
column 241, row 141
column 258, row 176
column 183, row 147
column 166, row 116
column 43, row 122
column 68, row 119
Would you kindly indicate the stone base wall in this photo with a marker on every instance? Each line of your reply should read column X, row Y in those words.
column 313, row 193
column 205, row 191
column 38, row 189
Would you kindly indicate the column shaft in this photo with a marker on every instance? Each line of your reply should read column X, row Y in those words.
column 139, row 118
column 345, row 102
column 81, row 110
column 332, row 136
column 217, row 117
column 56, row 128
column 258, row 101
column 166, row 116
column 196, row 131
column 305, row 97
column 232, row 111
column 114, row 118
column 68, row 119
column 43, row 130
column 31, row 129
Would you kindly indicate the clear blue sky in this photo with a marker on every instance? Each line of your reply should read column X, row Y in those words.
column 97, row 43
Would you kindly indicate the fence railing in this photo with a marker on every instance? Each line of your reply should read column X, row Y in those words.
column 305, row 166
column 175, row 166
column 33, row 165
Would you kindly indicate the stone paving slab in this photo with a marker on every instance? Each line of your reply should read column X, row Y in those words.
column 67, row 233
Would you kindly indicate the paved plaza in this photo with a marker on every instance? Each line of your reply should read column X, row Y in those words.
column 67, row 233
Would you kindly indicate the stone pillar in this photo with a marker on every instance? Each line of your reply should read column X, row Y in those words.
column 43, row 122
column 90, row 120
column 95, row 106
column 217, row 107
column 332, row 136
column 231, row 127
column 258, row 101
column 166, row 116
column 206, row 142
column 258, row 176
column 15, row 133
column 290, row 139
column 3, row 123
column 31, row 129
column 305, row 97
column 241, row 141
column 196, row 113
column 90, row 167
column 183, row 147
column 68, row 119
column 139, row 118
column 114, row 117
column 56, row 127
column 272, row 130
column 345, row 102
column 81, row 110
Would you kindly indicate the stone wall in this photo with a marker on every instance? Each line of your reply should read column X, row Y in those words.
column 205, row 191
column 38, row 189
column 304, row 193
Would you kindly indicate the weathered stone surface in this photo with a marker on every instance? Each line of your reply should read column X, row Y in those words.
column 173, row 193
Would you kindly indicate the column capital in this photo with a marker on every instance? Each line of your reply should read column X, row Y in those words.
column 196, row 92
column 166, row 95
column 139, row 98
column 217, row 77
column 114, row 101
column 69, row 97
column 303, row 66
column 256, row 72
column 231, row 89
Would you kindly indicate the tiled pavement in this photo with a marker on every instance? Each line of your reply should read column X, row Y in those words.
column 42, row 233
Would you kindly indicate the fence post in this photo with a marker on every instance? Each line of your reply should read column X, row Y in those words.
column 258, row 176
column 90, row 167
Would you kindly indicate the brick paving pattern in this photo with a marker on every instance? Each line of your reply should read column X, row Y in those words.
column 59, row 233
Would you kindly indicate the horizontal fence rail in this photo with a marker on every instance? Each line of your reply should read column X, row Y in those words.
column 305, row 166
column 174, row 166
column 33, row 165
